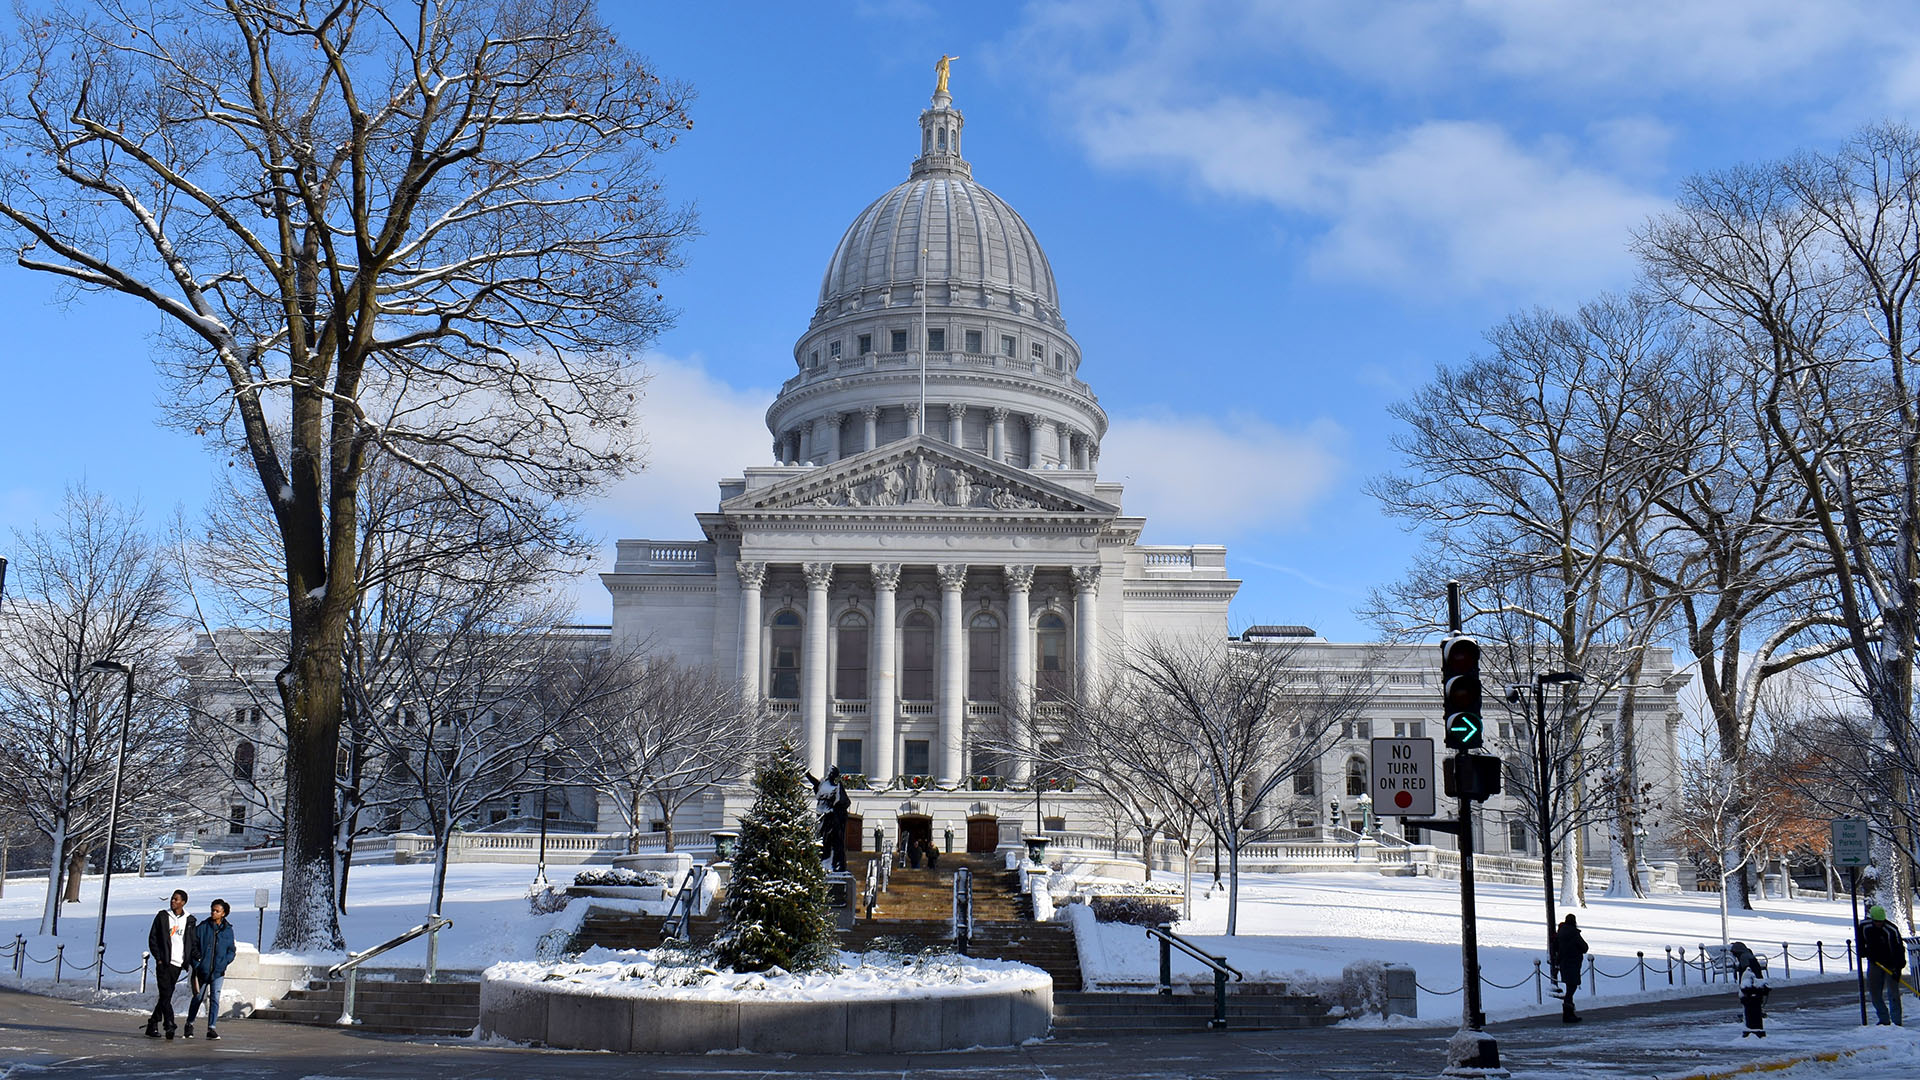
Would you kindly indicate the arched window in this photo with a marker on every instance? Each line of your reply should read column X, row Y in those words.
column 1051, row 677
column 943, row 138
column 243, row 760
column 1357, row 777
column 916, row 657
column 983, row 658
column 785, row 666
column 850, row 669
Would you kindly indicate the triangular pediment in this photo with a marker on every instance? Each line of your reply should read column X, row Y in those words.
column 920, row 474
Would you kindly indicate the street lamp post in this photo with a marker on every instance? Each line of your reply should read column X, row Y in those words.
column 546, row 785
column 113, row 818
column 1542, row 778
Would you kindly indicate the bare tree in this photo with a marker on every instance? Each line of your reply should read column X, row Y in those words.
column 1725, row 797
column 662, row 734
column 1236, row 724
column 1812, row 266
column 362, row 233
column 89, row 588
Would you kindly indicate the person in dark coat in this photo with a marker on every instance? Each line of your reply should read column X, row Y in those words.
column 1885, row 954
column 933, row 855
column 171, row 942
column 1750, row 974
column 213, row 951
column 1570, row 952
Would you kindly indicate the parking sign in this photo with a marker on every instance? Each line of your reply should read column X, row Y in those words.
column 1851, row 841
column 1403, row 778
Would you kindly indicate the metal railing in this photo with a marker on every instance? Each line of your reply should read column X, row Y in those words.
column 1705, row 965
column 350, row 967
column 679, row 917
column 18, row 957
column 962, row 908
column 1170, row 941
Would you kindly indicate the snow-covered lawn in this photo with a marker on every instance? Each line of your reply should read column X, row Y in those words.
column 486, row 901
column 1316, row 924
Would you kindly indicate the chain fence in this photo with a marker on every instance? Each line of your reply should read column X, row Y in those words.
column 1707, row 964
column 18, row 956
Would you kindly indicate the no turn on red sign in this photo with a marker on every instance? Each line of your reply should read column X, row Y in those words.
column 1404, row 779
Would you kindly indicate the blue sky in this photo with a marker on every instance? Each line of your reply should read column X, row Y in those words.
column 1269, row 222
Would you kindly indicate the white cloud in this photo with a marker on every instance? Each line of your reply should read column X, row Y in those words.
column 1202, row 479
column 698, row 430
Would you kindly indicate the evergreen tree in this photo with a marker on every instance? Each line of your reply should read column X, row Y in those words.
column 776, row 907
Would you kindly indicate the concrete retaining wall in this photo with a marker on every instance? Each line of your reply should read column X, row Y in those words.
column 550, row 1015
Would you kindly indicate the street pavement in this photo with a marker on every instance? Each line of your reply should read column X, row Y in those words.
column 41, row 1036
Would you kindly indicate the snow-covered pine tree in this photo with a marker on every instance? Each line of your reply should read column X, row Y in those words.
column 775, row 912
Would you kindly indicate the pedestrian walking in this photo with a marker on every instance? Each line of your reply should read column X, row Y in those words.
column 933, row 856
column 1884, row 952
column 1750, row 974
column 213, row 951
column 913, row 853
column 1570, row 951
column 171, row 942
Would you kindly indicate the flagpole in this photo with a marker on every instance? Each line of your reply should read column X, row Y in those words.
column 923, row 341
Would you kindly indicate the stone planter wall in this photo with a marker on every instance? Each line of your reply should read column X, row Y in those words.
column 551, row 1015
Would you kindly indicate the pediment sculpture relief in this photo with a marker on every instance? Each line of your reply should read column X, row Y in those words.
column 920, row 479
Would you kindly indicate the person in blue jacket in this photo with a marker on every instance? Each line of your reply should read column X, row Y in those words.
column 210, row 959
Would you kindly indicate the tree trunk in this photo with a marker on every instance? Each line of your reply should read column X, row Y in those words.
column 633, row 823
column 1571, row 871
column 76, row 872
column 666, row 818
column 1146, row 854
column 310, row 688
column 56, row 862
column 1233, row 883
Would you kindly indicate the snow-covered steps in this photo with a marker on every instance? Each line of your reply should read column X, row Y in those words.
column 395, row 1008
column 1107, row 1014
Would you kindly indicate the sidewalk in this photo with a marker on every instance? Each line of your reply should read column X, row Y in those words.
column 1665, row 1040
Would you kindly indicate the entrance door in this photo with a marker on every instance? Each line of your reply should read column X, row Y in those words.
column 915, row 828
column 983, row 834
column 856, row 841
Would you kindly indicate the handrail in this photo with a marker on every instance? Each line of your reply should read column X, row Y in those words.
column 872, row 894
column 1168, row 941
column 962, row 908
column 676, row 924
column 351, row 965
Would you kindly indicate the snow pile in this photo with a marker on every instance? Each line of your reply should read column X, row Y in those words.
column 622, row 877
column 677, row 974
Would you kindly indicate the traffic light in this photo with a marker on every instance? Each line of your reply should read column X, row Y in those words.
column 1478, row 776
column 1460, row 692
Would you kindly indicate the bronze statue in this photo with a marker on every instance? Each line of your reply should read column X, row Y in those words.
column 940, row 71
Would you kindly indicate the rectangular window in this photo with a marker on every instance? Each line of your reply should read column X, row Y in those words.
column 1039, row 352
column 1303, row 781
column 983, row 661
column 813, row 358
column 1365, row 730
column 1506, row 731
column 916, row 662
column 866, row 344
column 236, row 819
column 1346, row 729
column 1008, row 345
column 833, row 350
column 1606, row 732
column 850, row 672
column 1059, row 361
column 917, row 759
column 1516, row 836
column 1409, row 729
column 899, row 341
column 936, row 340
column 847, row 755
column 1413, row 834
column 973, row 341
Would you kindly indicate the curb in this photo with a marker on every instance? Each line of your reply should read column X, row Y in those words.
column 1776, row 1066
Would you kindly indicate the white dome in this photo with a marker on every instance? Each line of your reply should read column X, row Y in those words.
column 972, row 240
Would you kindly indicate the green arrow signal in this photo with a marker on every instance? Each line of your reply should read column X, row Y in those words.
column 1464, row 732
column 1465, row 725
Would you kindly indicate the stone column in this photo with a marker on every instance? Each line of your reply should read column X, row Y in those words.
column 953, row 671
column 1036, row 428
column 789, row 448
column 1066, row 445
column 823, row 439
column 1019, row 702
column 834, row 448
column 913, row 418
column 998, row 451
column 956, row 420
column 813, row 690
column 882, row 694
column 871, row 414
column 753, row 576
column 1079, row 451
column 1086, row 619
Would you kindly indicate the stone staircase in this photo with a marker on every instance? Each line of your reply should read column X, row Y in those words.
column 383, row 1006
column 1101, row 1015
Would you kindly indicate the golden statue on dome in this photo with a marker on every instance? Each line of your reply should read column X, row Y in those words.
column 941, row 70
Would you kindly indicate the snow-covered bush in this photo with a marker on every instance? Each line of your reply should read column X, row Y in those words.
column 1133, row 911
column 620, row 876
column 546, row 901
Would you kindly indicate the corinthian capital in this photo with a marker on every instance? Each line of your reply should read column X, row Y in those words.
column 953, row 575
column 886, row 575
column 1086, row 578
column 753, row 575
column 1019, row 578
column 819, row 574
